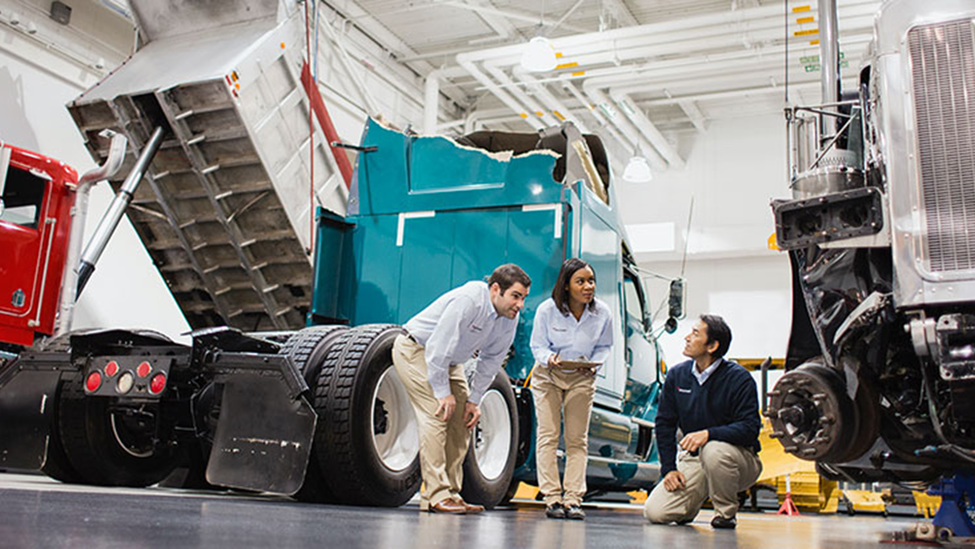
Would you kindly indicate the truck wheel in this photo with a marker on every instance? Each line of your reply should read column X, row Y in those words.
column 113, row 445
column 307, row 349
column 510, row 493
column 367, row 436
column 490, row 462
column 56, row 464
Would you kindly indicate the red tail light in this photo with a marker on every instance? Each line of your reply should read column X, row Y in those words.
column 93, row 382
column 111, row 369
column 143, row 369
column 157, row 384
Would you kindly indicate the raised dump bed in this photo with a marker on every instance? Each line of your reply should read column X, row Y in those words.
column 224, row 207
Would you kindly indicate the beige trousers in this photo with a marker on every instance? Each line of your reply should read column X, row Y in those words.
column 562, row 397
column 720, row 470
column 443, row 445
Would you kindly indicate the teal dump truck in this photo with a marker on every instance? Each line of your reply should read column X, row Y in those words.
column 287, row 385
column 429, row 213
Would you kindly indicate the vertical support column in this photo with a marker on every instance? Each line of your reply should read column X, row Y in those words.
column 431, row 102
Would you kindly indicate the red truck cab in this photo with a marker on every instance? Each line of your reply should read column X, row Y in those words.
column 35, row 223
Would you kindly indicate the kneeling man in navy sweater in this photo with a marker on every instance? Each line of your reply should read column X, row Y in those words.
column 714, row 403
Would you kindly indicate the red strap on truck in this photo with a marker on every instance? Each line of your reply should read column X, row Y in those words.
column 325, row 121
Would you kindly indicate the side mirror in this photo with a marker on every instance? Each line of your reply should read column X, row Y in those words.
column 675, row 302
column 675, row 305
column 670, row 326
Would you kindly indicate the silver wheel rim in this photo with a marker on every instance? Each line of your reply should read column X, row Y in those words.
column 399, row 443
column 492, row 439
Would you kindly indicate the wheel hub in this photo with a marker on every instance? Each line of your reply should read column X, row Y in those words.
column 395, row 434
column 380, row 423
column 811, row 413
column 134, row 431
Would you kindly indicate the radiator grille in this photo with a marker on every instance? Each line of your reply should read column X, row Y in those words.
column 943, row 71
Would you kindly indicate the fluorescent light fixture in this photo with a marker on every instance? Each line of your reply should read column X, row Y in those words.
column 638, row 170
column 539, row 55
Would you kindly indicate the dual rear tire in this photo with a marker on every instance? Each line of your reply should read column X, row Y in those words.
column 367, row 436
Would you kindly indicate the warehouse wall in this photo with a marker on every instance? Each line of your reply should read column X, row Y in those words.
column 753, row 295
column 732, row 172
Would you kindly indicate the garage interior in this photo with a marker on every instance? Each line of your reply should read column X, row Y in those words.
column 822, row 208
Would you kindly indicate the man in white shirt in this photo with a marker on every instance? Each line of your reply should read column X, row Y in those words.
column 477, row 319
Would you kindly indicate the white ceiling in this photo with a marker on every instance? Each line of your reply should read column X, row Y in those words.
column 680, row 63
column 650, row 75
column 645, row 74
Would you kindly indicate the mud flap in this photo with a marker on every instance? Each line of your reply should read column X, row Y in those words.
column 26, row 410
column 264, row 434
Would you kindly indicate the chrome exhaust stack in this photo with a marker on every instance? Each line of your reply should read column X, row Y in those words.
column 79, row 213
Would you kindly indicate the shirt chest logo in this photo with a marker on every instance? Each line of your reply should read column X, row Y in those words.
column 476, row 328
column 683, row 390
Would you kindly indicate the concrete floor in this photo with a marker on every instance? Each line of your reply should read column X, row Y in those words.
column 38, row 512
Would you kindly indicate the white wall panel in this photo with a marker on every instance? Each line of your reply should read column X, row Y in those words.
column 732, row 171
column 754, row 295
column 125, row 290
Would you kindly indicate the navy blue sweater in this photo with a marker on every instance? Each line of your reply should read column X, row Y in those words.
column 726, row 405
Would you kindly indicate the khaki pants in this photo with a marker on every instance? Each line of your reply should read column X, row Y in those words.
column 720, row 470
column 559, row 397
column 443, row 445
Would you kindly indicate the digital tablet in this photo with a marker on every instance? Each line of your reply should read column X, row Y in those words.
column 577, row 364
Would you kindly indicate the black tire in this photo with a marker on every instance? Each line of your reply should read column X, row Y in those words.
column 478, row 486
column 307, row 350
column 344, row 447
column 92, row 434
column 308, row 347
column 196, row 448
column 56, row 464
column 509, row 494
column 867, row 405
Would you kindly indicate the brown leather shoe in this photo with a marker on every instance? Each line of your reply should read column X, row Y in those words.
column 450, row 506
column 472, row 508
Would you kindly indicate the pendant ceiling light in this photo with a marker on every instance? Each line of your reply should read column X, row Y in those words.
column 539, row 55
column 638, row 170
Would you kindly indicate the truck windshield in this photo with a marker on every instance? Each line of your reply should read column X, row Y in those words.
column 23, row 195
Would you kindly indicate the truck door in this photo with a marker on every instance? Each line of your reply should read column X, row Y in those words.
column 640, row 354
column 601, row 248
column 22, row 243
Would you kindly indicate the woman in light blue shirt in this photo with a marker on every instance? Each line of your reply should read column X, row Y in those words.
column 571, row 326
